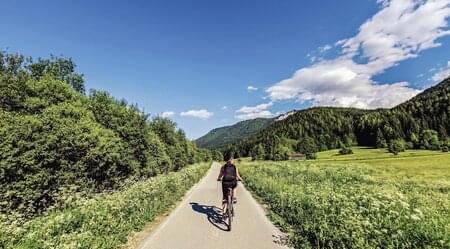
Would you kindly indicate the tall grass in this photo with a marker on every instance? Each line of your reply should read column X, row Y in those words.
column 344, row 206
column 105, row 221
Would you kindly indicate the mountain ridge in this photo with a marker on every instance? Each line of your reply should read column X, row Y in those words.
column 426, row 110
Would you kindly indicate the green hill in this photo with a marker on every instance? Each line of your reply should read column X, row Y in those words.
column 421, row 122
column 219, row 137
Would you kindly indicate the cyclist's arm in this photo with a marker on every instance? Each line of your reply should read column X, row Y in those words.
column 220, row 174
column 238, row 176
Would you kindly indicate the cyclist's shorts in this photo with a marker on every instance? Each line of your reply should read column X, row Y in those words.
column 225, row 186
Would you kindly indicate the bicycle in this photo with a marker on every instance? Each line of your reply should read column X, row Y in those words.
column 228, row 209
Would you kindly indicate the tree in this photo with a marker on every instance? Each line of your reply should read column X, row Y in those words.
column 380, row 140
column 217, row 156
column 429, row 139
column 308, row 147
column 396, row 146
column 280, row 153
column 257, row 152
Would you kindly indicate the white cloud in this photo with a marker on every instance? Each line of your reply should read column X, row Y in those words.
column 251, row 112
column 400, row 30
column 313, row 59
column 167, row 114
column 224, row 107
column 442, row 74
column 251, row 88
column 201, row 114
column 325, row 48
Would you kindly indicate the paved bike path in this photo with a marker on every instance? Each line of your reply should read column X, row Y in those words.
column 196, row 222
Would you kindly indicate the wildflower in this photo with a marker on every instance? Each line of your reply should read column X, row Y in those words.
column 415, row 217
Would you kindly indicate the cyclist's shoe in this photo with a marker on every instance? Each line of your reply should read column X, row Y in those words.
column 234, row 200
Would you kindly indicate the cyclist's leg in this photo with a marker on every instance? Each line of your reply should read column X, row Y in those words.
column 224, row 191
column 233, row 186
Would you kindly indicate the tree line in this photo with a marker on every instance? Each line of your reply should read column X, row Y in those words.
column 56, row 140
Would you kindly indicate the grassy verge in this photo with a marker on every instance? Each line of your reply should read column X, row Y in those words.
column 105, row 221
column 357, row 205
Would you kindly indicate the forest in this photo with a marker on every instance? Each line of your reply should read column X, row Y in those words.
column 421, row 122
column 58, row 142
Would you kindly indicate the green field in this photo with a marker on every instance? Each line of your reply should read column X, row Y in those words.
column 370, row 199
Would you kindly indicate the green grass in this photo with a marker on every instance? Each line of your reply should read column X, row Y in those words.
column 370, row 199
column 430, row 167
column 105, row 221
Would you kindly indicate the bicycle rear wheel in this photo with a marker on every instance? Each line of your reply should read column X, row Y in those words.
column 230, row 209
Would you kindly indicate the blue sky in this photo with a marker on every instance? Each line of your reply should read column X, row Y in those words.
column 193, row 58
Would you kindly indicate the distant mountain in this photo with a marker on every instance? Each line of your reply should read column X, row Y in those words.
column 420, row 121
column 222, row 136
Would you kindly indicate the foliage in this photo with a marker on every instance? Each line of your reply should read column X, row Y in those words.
column 99, row 222
column 258, row 152
column 345, row 151
column 54, row 140
column 219, row 137
column 380, row 140
column 421, row 122
column 397, row 146
column 308, row 147
column 342, row 205
column 281, row 153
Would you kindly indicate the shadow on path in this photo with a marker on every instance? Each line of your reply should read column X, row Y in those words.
column 212, row 213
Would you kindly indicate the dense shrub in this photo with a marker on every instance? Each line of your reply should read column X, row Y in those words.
column 105, row 221
column 54, row 140
column 217, row 156
column 308, row 147
column 258, row 152
column 396, row 146
column 345, row 151
column 444, row 148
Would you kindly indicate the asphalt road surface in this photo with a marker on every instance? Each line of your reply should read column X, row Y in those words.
column 197, row 222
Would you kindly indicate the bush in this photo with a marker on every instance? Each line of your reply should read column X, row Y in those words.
column 409, row 145
column 281, row 153
column 444, row 149
column 61, row 147
column 345, row 151
column 105, row 221
column 397, row 146
column 311, row 156
column 307, row 146
column 55, row 141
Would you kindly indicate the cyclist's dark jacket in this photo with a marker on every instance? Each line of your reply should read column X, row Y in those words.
column 229, row 179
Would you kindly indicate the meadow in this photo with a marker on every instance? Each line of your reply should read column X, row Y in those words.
column 369, row 199
column 105, row 221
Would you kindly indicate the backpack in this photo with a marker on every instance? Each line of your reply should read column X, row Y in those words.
column 229, row 172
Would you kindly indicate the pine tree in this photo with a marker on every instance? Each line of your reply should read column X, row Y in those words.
column 380, row 140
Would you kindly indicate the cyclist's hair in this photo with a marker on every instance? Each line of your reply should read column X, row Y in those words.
column 228, row 156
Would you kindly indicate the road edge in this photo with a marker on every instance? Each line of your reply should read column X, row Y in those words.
column 155, row 226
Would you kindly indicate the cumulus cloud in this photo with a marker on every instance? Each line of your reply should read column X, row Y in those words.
column 442, row 74
column 201, row 114
column 400, row 30
column 251, row 88
column 167, row 114
column 251, row 112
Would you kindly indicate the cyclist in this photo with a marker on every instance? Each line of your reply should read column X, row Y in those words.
column 229, row 175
